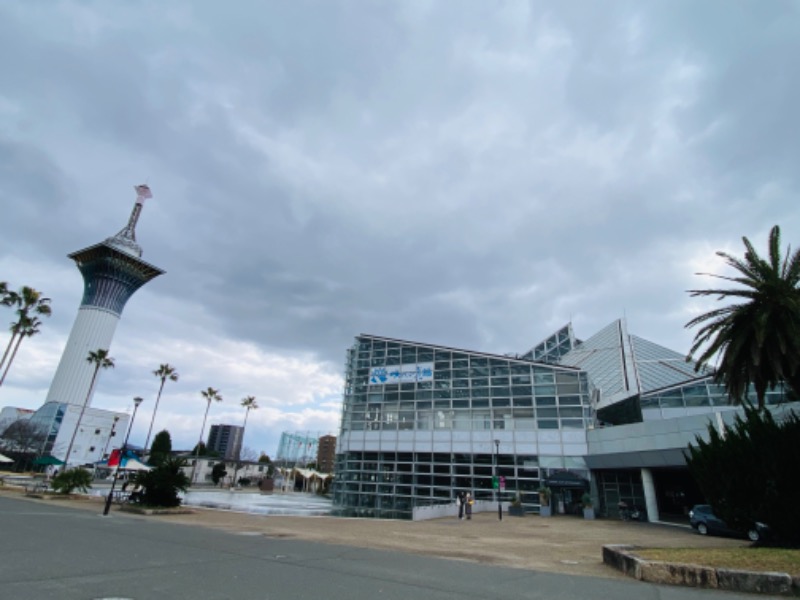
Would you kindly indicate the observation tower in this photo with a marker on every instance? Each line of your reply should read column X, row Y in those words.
column 112, row 271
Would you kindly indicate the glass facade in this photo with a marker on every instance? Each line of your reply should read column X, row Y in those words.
column 554, row 347
column 697, row 396
column 421, row 423
column 49, row 418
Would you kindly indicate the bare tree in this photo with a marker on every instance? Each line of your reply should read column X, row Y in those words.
column 22, row 440
column 23, row 436
column 249, row 455
column 246, row 455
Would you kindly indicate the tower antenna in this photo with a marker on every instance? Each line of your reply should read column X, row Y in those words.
column 126, row 238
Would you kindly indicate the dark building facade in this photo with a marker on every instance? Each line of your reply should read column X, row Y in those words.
column 326, row 453
column 226, row 440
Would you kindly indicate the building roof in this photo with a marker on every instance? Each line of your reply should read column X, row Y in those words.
column 621, row 365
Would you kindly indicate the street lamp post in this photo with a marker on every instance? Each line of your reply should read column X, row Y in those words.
column 136, row 402
column 497, row 479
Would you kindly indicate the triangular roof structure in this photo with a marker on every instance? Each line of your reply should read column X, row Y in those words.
column 621, row 365
column 552, row 348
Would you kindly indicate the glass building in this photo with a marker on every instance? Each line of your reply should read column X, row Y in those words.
column 611, row 415
column 421, row 423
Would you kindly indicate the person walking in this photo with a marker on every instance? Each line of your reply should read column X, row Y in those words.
column 468, row 508
column 460, row 499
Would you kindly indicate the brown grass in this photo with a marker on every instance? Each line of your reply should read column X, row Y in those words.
column 779, row 560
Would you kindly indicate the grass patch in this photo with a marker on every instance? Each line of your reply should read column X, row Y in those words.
column 781, row 560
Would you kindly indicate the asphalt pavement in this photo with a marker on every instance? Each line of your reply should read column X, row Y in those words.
column 54, row 552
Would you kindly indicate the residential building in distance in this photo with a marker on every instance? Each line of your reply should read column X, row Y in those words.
column 226, row 440
column 326, row 453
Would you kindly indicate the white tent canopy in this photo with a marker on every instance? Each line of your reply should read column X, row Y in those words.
column 5, row 459
column 131, row 464
column 128, row 464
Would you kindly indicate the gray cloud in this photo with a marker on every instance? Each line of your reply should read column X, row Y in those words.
column 474, row 176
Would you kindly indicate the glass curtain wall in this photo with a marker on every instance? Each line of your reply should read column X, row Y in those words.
column 395, row 388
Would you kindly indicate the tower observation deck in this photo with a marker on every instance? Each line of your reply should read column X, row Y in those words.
column 112, row 271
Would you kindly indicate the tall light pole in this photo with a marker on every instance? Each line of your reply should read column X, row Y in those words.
column 497, row 480
column 136, row 402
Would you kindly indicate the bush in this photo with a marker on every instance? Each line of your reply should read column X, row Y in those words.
column 163, row 483
column 161, row 448
column 750, row 474
column 70, row 480
column 218, row 472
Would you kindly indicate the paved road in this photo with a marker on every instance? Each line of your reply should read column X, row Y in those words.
column 53, row 552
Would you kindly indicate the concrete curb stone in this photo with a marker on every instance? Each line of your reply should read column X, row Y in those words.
column 779, row 584
column 623, row 558
column 155, row 511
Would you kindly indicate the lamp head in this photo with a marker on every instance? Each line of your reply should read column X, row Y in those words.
column 137, row 401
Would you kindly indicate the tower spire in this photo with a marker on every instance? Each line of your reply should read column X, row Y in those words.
column 125, row 240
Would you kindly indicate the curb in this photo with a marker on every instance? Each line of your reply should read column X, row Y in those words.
column 623, row 558
column 155, row 511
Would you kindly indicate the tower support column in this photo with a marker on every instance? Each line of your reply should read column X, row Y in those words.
column 93, row 329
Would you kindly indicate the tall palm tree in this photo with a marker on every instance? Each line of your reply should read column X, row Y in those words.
column 249, row 403
column 30, row 302
column 209, row 395
column 101, row 360
column 757, row 341
column 163, row 372
column 5, row 294
column 25, row 327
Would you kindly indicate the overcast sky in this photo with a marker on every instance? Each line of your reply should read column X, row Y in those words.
column 471, row 174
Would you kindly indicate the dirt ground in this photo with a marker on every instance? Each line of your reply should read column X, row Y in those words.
column 562, row 544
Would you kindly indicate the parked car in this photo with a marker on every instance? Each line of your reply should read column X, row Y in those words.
column 703, row 519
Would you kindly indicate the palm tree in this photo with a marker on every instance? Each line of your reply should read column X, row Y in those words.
column 163, row 372
column 5, row 294
column 25, row 327
column 29, row 301
column 209, row 395
column 249, row 404
column 101, row 360
column 757, row 341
